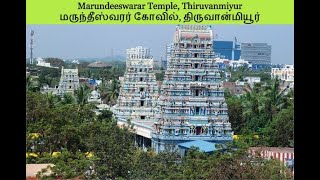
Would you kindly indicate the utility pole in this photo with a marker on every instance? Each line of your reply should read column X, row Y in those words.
column 31, row 46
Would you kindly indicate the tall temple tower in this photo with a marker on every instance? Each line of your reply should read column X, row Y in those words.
column 69, row 81
column 139, row 91
column 192, row 104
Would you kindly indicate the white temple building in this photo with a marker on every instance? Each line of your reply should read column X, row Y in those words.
column 139, row 92
column 69, row 81
column 95, row 97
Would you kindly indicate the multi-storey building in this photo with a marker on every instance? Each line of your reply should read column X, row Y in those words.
column 139, row 52
column 69, row 81
column 227, row 49
column 285, row 73
column 169, row 48
column 139, row 93
column 258, row 54
column 192, row 104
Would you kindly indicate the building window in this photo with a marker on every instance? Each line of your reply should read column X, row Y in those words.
column 141, row 89
column 197, row 110
column 196, row 78
column 141, row 103
column 143, row 117
column 69, row 87
column 197, row 92
column 198, row 130
column 141, row 79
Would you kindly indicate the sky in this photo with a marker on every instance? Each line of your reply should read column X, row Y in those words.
column 97, row 41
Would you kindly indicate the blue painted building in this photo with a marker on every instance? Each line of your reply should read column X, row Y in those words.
column 203, row 146
column 223, row 49
column 227, row 49
column 237, row 51
column 258, row 54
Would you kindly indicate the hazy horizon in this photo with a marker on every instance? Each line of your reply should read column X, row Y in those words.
column 98, row 41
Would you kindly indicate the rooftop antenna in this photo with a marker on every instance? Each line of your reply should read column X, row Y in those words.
column 31, row 46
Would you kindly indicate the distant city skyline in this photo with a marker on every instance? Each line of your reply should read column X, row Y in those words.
column 98, row 41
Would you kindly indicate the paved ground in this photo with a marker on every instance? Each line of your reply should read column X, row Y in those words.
column 33, row 169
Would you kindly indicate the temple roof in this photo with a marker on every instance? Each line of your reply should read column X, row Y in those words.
column 190, row 35
column 99, row 64
column 194, row 27
column 95, row 93
column 202, row 145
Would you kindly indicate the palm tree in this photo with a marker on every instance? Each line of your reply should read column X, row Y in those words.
column 82, row 95
column 289, row 98
column 68, row 98
column 276, row 97
column 30, row 84
column 230, row 69
column 249, row 104
column 103, row 88
column 89, row 73
column 113, row 91
column 51, row 99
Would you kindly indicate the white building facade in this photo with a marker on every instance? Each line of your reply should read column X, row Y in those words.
column 139, row 91
column 252, row 80
column 139, row 52
column 285, row 74
column 42, row 62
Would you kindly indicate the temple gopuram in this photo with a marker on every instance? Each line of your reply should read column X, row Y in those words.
column 191, row 104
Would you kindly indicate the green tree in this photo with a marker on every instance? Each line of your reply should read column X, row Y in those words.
column 113, row 92
column 280, row 132
column 103, row 88
column 113, row 147
column 105, row 115
column 55, row 62
column 31, row 84
column 159, row 76
column 52, row 99
column 68, row 165
column 82, row 94
column 68, row 98
column 235, row 110
column 276, row 97
column 49, row 76
column 37, row 107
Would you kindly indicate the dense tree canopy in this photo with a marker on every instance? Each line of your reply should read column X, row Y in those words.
column 66, row 132
column 266, row 111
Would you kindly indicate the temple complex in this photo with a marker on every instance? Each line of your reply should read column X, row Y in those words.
column 192, row 104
